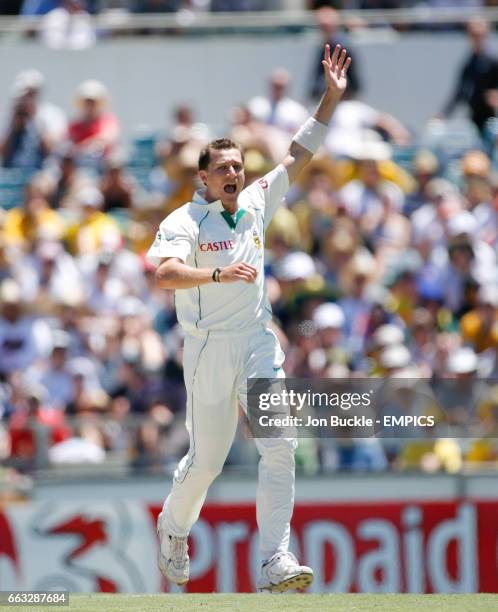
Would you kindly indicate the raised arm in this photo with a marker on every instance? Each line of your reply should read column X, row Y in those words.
column 311, row 135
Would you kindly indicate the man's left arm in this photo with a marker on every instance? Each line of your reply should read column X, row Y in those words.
column 312, row 134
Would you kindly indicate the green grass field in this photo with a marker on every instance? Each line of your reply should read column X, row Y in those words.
column 269, row 603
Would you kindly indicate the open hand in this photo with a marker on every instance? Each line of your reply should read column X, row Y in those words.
column 336, row 69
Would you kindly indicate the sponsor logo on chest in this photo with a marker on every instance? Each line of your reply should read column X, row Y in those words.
column 222, row 245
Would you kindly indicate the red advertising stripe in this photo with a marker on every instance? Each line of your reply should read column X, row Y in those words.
column 488, row 547
column 8, row 547
column 371, row 547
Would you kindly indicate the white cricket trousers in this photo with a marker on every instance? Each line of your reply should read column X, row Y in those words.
column 216, row 370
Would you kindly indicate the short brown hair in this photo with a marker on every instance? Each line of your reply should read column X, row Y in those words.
column 217, row 145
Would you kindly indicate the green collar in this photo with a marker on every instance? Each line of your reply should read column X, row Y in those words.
column 230, row 220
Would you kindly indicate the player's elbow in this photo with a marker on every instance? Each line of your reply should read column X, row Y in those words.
column 165, row 277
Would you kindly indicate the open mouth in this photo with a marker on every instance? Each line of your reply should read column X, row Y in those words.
column 230, row 188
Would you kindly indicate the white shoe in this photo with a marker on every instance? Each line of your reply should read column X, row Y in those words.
column 173, row 556
column 283, row 572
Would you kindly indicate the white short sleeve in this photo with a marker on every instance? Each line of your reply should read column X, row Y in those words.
column 271, row 189
column 174, row 239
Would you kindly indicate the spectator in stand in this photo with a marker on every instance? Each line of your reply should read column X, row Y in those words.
column 313, row 200
column 400, row 277
column 355, row 123
column 184, row 117
column 480, row 326
column 34, row 428
column 69, row 180
column 364, row 198
column 124, row 266
column 339, row 245
column 356, row 303
column 149, row 448
column 116, row 427
column 328, row 320
column 463, row 258
column 425, row 166
column 95, row 231
column 429, row 220
column 5, row 256
column 68, row 26
column 176, row 176
column 47, row 274
column 138, row 339
column 70, row 314
column 477, row 189
column 422, row 342
column 477, row 78
column 179, row 170
column 104, row 291
column 35, row 220
column 133, row 384
column 49, row 119
column 328, row 21
column 54, row 376
column 23, row 339
column 23, row 146
column 96, row 131
column 86, row 445
column 278, row 109
column 117, row 186
column 251, row 133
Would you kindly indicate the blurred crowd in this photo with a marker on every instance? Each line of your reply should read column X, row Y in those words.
column 80, row 8
column 382, row 262
column 68, row 24
column 41, row 7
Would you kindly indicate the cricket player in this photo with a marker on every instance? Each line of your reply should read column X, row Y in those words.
column 210, row 251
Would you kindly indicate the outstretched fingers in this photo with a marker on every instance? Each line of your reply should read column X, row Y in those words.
column 346, row 66
column 341, row 60
column 326, row 53
column 335, row 56
column 336, row 68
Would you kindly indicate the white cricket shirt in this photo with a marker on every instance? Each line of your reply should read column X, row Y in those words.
column 205, row 235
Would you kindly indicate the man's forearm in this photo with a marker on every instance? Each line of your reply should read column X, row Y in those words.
column 311, row 136
column 178, row 275
column 326, row 107
column 313, row 132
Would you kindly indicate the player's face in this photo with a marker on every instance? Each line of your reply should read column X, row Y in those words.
column 224, row 177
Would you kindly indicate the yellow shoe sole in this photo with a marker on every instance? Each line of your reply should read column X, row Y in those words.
column 301, row 581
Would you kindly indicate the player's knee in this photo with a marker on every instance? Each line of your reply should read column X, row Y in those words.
column 210, row 471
